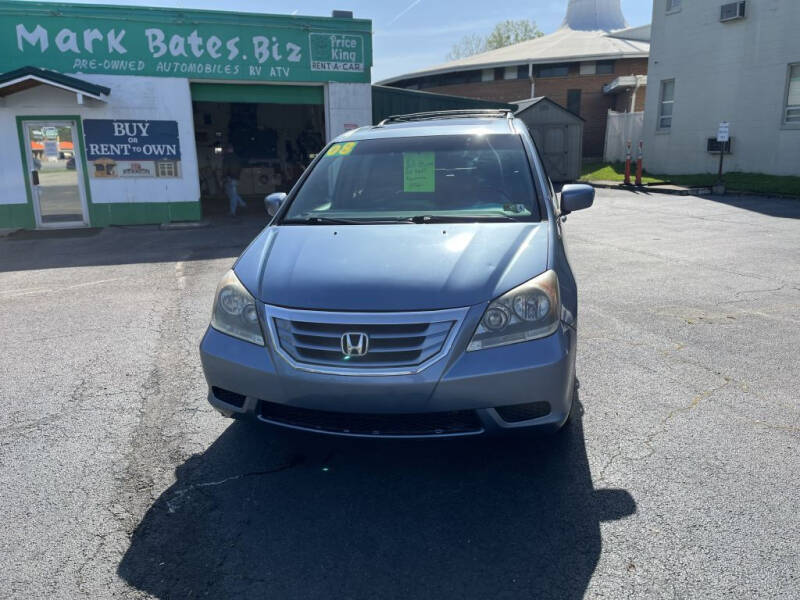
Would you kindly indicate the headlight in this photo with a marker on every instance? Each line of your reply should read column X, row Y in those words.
column 235, row 311
column 528, row 312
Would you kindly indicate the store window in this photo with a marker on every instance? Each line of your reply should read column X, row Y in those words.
column 666, row 104
column 792, row 114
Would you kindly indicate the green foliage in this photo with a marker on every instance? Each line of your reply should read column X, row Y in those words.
column 510, row 32
column 505, row 33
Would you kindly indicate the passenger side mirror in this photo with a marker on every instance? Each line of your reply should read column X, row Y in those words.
column 273, row 203
column 576, row 197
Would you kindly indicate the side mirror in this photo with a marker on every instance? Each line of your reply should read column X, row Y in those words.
column 576, row 197
column 273, row 203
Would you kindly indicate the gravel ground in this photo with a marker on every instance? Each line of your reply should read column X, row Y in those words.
column 679, row 479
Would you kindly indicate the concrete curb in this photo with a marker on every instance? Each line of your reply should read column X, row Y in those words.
column 672, row 190
column 179, row 225
column 677, row 190
column 7, row 232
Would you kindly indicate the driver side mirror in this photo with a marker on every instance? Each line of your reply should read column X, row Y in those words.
column 273, row 203
column 576, row 197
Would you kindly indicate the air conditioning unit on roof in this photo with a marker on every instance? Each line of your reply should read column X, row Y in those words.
column 732, row 12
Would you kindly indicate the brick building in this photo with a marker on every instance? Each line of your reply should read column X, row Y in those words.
column 591, row 64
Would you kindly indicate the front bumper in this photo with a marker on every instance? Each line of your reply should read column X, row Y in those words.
column 249, row 380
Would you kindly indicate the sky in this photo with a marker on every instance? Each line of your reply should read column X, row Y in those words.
column 410, row 35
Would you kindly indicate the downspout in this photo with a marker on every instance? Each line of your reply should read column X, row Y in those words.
column 635, row 90
column 530, row 77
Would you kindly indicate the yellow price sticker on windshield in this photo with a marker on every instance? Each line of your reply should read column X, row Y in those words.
column 347, row 148
column 341, row 149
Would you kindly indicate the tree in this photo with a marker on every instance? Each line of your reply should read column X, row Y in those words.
column 512, row 32
column 505, row 33
column 467, row 46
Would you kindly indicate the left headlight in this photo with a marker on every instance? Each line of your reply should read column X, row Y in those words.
column 235, row 311
column 528, row 312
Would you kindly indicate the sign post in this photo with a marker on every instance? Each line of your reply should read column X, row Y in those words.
column 723, row 138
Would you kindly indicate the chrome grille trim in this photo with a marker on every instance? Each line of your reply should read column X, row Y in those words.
column 439, row 332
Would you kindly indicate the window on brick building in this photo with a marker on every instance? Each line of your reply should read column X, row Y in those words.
column 522, row 71
column 553, row 71
column 605, row 67
column 666, row 104
column 792, row 116
column 499, row 73
column 574, row 102
column 588, row 68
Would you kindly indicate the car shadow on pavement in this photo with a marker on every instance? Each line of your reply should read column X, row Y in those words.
column 784, row 208
column 224, row 237
column 264, row 515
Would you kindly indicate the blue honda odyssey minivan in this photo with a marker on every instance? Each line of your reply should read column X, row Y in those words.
column 413, row 284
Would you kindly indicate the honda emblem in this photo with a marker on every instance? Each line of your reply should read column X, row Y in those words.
column 355, row 343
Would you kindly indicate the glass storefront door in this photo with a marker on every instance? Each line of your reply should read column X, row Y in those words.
column 54, row 171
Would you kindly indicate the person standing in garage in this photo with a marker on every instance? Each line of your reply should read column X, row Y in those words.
column 233, row 169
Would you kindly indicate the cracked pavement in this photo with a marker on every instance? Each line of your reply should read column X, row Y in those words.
column 679, row 478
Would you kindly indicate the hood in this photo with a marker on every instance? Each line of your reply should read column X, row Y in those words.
column 401, row 267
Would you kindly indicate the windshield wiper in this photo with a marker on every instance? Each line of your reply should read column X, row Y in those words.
column 339, row 221
column 321, row 221
column 421, row 219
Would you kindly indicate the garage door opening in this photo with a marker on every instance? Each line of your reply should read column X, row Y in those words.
column 258, row 138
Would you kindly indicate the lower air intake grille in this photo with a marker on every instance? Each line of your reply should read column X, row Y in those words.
column 441, row 423
column 515, row 413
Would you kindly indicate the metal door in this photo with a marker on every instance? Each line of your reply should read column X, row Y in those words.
column 55, row 173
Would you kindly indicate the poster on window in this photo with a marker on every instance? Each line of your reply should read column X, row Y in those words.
column 132, row 148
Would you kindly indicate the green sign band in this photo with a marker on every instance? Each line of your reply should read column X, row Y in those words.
column 181, row 43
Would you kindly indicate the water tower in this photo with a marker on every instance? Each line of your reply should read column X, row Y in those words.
column 594, row 15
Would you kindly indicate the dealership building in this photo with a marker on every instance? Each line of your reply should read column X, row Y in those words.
column 121, row 115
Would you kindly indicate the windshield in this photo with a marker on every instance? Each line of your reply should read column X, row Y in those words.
column 436, row 178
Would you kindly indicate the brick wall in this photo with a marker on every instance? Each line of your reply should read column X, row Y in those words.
column 594, row 104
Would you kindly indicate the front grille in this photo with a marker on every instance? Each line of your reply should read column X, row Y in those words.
column 389, row 344
column 514, row 413
column 440, row 423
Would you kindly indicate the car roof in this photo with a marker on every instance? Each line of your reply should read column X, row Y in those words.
column 432, row 126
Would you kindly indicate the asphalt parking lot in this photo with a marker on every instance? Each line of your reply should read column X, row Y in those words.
column 679, row 479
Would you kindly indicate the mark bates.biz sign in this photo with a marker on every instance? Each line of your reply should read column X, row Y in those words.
column 196, row 45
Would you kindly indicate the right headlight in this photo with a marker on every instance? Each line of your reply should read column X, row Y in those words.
column 528, row 312
column 235, row 311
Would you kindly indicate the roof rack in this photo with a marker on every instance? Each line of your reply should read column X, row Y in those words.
column 500, row 113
